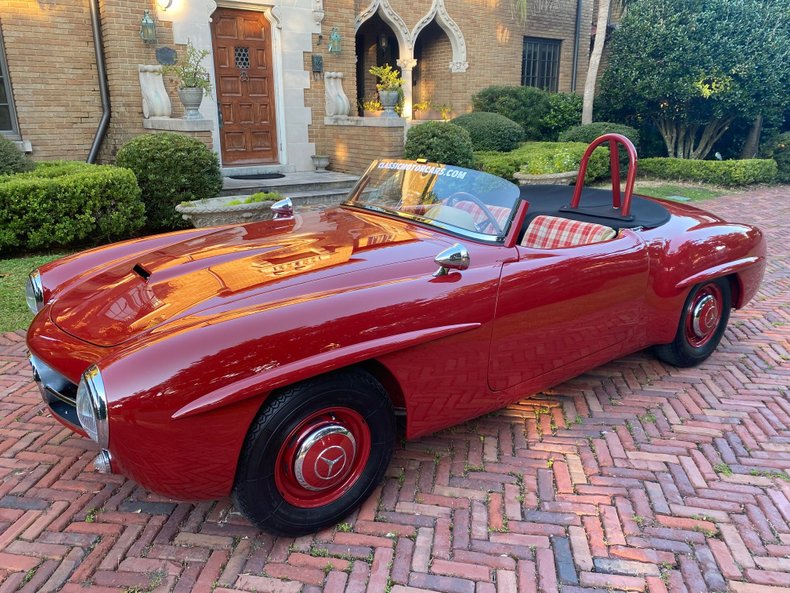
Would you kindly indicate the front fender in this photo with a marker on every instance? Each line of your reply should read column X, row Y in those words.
column 182, row 401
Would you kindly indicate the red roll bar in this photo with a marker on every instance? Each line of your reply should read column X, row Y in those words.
column 614, row 166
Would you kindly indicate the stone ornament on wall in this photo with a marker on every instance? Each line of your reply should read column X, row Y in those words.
column 439, row 11
column 336, row 101
column 390, row 16
column 156, row 102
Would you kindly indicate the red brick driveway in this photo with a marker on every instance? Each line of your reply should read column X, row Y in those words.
column 635, row 476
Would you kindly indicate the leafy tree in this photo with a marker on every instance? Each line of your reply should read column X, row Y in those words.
column 693, row 66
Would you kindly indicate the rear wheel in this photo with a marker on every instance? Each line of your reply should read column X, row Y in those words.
column 702, row 324
column 315, row 452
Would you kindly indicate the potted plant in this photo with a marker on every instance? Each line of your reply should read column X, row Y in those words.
column 371, row 106
column 193, row 80
column 390, row 87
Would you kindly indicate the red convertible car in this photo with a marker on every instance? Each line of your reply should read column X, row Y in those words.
column 270, row 360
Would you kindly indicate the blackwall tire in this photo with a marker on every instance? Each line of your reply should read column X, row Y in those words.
column 315, row 452
column 703, row 320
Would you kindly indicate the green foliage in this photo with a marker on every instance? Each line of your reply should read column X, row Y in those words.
column 189, row 70
column 537, row 158
column 440, row 142
column 12, row 160
column 389, row 78
column 590, row 132
column 170, row 169
column 778, row 149
column 261, row 196
column 728, row 173
column 68, row 203
column 565, row 111
column 692, row 67
column 525, row 105
column 490, row 131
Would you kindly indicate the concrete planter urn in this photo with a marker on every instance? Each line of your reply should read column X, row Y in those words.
column 191, row 98
column 225, row 210
column 320, row 162
column 389, row 99
column 565, row 178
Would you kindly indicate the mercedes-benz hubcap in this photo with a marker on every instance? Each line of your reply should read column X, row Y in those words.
column 325, row 458
column 705, row 316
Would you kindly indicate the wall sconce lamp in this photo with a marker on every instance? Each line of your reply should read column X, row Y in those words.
column 334, row 41
column 165, row 4
column 383, row 41
column 147, row 28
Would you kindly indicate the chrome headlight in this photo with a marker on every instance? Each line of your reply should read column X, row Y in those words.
column 34, row 292
column 92, row 406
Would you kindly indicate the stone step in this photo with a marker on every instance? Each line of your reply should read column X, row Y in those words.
column 291, row 183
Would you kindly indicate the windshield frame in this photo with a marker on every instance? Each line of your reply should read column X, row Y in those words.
column 432, row 223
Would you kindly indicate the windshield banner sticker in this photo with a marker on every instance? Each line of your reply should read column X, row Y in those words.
column 419, row 168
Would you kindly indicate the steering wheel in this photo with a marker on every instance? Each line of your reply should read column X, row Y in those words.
column 462, row 196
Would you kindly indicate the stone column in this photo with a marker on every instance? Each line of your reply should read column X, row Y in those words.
column 406, row 66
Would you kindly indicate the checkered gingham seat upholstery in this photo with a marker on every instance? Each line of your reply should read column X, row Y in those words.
column 479, row 216
column 551, row 232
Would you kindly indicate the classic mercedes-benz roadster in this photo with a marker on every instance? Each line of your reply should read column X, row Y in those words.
column 270, row 360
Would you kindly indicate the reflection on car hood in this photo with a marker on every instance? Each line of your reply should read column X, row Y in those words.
column 300, row 257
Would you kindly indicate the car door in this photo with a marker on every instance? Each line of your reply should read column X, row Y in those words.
column 567, row 309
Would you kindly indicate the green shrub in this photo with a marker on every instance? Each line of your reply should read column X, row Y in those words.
column 60, row 204
column 439, row 142
column 565, row 111
column 490, row 131
column 778, row 148
column 543, row 157
column 12, row 160
column 730, row 173
column 170, row 169
column 527, row 106
column 589, row 132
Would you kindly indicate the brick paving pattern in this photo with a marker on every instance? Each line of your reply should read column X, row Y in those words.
column 635, row 476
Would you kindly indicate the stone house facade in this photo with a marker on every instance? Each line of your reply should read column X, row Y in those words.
column 288, row 77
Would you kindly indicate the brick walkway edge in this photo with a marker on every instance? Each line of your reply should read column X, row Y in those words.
column 635, row 477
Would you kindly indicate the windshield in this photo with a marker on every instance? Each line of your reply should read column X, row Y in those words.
column 463, row 201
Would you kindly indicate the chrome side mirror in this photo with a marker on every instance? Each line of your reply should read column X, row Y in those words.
column 452, row 258
column 283, row 209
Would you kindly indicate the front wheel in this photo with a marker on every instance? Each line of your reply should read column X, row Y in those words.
column 315, row 452
column 702, row 324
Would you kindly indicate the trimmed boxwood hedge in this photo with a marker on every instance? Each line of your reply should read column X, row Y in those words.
column 543, row 157
column 170, row 168
column 439, row 142
column 12, row 160
column 778, row 148
column 491, row 131
column 729, row 173
column 589, row 132
column 61, row 204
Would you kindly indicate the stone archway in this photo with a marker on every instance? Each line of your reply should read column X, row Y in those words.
column 405, row 37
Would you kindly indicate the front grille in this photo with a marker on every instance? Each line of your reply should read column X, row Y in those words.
column 58, row 392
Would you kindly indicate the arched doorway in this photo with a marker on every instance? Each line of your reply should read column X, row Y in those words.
column 376, row 45
column 431, row 76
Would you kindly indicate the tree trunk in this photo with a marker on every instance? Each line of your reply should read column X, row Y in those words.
column 710, row 135
column 595, row 61
column 752, row 143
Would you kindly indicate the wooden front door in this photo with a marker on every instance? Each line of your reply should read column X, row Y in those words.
column 245, row 87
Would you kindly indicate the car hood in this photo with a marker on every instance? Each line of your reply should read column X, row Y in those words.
column 290, row 258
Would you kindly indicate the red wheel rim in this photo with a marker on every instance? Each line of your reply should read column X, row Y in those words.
column 703, row 315
column 322, row 457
